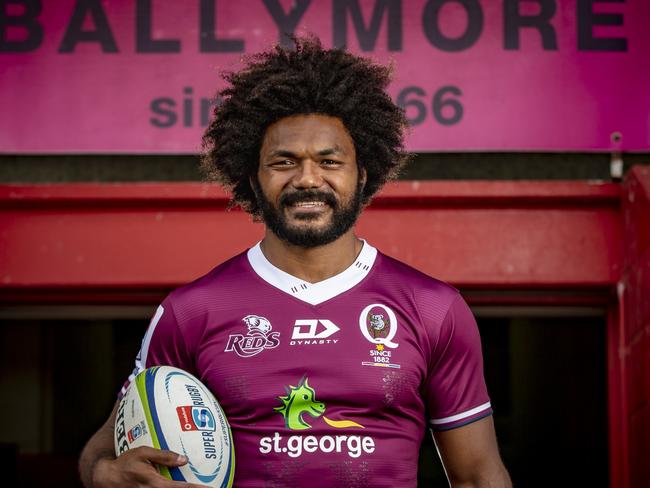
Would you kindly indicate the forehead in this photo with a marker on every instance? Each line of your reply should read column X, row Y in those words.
column 311, row 132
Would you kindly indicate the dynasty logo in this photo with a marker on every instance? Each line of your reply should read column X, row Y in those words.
column 312, row 332
column 300, row 402
column 258, row 338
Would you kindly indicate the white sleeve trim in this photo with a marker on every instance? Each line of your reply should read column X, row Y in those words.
column 462, row 415
column 141, row 358
column 147, row 337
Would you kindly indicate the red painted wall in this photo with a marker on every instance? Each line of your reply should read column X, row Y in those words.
column 149, row 237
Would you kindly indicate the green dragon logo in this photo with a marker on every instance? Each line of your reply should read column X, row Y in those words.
column 301, row 399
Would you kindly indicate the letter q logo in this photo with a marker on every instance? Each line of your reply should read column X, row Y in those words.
column 378, row 325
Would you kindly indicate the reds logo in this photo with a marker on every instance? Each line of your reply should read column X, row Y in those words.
column 257, row 324
column 258, row 338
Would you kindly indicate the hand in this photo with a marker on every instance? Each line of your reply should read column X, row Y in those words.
column 136, row 468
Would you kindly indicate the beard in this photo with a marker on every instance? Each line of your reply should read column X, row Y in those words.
column 344, row 216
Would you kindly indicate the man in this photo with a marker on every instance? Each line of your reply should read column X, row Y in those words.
column 328, row 357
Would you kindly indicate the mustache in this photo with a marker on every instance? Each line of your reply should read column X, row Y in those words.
column 308, row 196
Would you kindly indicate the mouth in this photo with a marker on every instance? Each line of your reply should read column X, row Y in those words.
column 307, row 210
column 308, row 204
column 313, row 203
column 317, row 410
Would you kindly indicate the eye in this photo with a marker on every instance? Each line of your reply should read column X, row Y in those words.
column 282, row 163
column 330, row 162
column 305, row 397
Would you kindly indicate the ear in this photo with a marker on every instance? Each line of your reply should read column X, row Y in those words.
column 363, row 176
column 254, row 184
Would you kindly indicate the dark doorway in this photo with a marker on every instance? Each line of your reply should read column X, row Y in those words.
column 547, row 376
column 66, row 364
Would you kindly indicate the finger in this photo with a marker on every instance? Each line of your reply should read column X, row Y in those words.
column 158, row 456
column 154, row 479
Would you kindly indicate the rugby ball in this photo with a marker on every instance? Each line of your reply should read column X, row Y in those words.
column 168, row 408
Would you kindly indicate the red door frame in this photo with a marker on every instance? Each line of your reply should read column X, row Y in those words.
column 633, row 353
column 560, row 242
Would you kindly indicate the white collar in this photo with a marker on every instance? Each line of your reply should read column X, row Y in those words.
column 313, row 293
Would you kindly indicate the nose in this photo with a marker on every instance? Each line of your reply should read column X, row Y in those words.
column 308, row 175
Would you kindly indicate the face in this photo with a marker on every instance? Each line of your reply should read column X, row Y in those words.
column 308, row 185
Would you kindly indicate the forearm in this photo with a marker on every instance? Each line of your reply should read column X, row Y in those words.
column 100, row 446
column 471, row 456
column 494, row 478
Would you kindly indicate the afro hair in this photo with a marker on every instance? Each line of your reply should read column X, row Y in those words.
column 306, row 79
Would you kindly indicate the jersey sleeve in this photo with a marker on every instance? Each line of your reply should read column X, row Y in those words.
column 162, row 345
column 455, row 390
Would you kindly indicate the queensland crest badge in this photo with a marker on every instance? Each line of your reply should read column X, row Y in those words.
column 378, row 324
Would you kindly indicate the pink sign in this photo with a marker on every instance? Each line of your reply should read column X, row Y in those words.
column 137, row 76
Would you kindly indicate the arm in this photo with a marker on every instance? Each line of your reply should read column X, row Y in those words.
column 459, row 405
column 471, row 457
column 98, row 466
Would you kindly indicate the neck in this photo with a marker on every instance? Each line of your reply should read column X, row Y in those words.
column 312, row 264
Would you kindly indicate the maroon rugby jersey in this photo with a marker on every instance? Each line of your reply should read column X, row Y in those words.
column 329, row 383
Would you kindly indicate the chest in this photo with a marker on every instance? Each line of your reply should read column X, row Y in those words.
column 364, row 357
